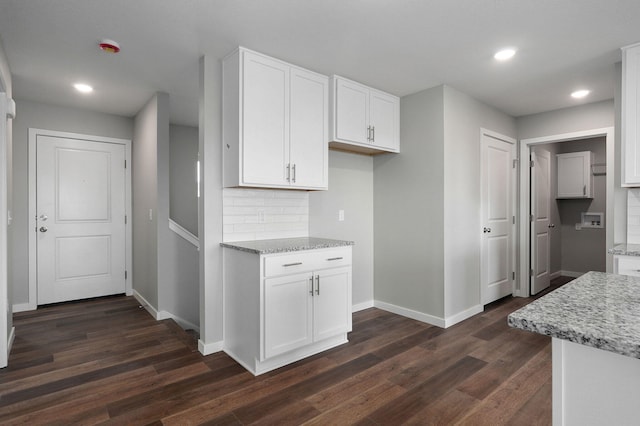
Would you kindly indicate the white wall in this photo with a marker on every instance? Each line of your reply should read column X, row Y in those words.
column 183, row 141
column 463, row 118
column 408, row 209
column 210, row 205
column 351, row 190
column 50, row 117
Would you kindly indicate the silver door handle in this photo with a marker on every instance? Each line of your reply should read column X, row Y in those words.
column 373, row 131
column 43, row 217
column 311, row 291
column 551, row 225
column 334, row 258
column 485, row 230
column 43, row 229
column 288, row 173
column 294, row 173
column 584, row 190
column 368, row 133
column 292, row 264
column 318, row 285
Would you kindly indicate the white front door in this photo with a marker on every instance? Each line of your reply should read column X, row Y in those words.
column 540, row 213
column 497, row 193
column 80, row 221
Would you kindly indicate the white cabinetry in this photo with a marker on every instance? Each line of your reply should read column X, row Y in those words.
column 575, row 179
column 626, row 265
column 280, row 308
column 363, row 119
column 275, row 123
column 631, row 115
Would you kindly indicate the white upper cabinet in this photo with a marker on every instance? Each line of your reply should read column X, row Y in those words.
column 275, row 123
column 631, row 115
column 363, row 119
column 575, row 179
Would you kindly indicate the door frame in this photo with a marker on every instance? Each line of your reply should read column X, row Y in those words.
column 514, row 200
column 525, row 197
column 33, row 266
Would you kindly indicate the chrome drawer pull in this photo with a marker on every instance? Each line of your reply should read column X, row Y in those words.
column 334, row 258
column 292, row 264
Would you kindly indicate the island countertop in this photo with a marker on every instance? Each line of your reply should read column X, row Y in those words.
column 284, row 245
column 598, row 309
column 626, row 250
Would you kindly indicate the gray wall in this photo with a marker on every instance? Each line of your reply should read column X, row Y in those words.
column 463, row 118
column 6, row 87
column 181, row 295
column 584, row 250
column 183, row 143
column 145, row 202
column 408, row 199
column 351, row 190
column 50, row 117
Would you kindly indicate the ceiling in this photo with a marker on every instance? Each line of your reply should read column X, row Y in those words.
column 400, row 46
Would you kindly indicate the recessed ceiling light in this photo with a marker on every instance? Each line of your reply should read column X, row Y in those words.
column 580, row 93
column 83, row 88
column 505, row 54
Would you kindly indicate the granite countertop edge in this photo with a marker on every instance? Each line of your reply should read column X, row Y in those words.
column 599, row 310
column 625, row 250
column 285, row 245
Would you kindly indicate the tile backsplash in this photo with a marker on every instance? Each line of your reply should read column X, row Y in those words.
column 633, row 216
column 261, row 214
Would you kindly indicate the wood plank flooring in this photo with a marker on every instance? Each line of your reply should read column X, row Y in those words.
column 106, row 361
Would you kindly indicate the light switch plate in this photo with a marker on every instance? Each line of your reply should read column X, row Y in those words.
column 340, row 215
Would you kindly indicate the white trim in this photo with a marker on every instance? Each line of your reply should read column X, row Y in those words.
column 555, row 275
column 12, row 338
column 362, row 306
column 33, row 134
column 461, row 316
column 22, row 307
column 515, row 283
column 183, row 323
column 210, row 348
column 145, row 304
column 4, row 249
column 410, row 313
column 524, row 205
column 175, row 227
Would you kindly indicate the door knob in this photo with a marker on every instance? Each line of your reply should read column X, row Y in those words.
column 43, row 229
column 485, row 230
column 551, row 225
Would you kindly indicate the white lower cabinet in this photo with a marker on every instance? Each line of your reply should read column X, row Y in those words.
column 626, row 265
column 281, row 308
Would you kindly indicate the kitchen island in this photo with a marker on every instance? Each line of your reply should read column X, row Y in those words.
column 594, row 322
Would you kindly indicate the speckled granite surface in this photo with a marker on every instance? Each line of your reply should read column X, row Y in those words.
column 598, row 309
column 283, row 245
column 626, row 250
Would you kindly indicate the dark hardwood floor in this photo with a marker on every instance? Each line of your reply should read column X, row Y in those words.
column 107, row 361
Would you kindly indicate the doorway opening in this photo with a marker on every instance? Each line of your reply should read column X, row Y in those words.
column 572, row 214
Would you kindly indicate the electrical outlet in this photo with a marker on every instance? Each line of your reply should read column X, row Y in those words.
column 261, row 218
column 340, row 215
column 578, row 227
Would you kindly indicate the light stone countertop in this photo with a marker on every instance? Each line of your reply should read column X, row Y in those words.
column 598, row 309
column 284, row 245
column 626, row 250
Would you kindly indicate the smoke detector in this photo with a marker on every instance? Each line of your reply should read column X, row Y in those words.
column 109, row 46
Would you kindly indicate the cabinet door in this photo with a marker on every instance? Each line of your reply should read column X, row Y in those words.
column 352, row 112
column 265, row 121
column 309, row 129
column 574, row 171
column 332, row 303
column 631, row 116
column 287, row 313
column 385, row 117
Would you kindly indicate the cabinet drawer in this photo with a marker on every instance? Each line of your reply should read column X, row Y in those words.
column 305, row 261
column 628, row 265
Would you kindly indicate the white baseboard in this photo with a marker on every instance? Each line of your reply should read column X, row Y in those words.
column 186, row 325
column 209, row 348
column 571, row 274
column 461, row 316
column 555, row 275
column 362, row 306
column 410, row 313
column 145, row 304
column 22, row 307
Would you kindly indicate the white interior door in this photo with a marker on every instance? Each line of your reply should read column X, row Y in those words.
column 4, row 292
column 540, row 213
column 80, row 222
column 497, row 193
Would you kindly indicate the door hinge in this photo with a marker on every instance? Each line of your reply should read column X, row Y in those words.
column 513, row 275
column 531, row 164
column 125, row 219
column 125, row 164
column 515, row 163
column 125, row 275
column 513, row 220
column 530, row 218
column 531, row 272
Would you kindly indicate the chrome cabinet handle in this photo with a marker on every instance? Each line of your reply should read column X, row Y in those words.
column 369, row 133
column 288, row 172
column 294, row 173
column 318, row 285
column 334, row 258
column 311, row 291
column 286, row 265
column 373, row 131
column 43, row 229
column 584, row 190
